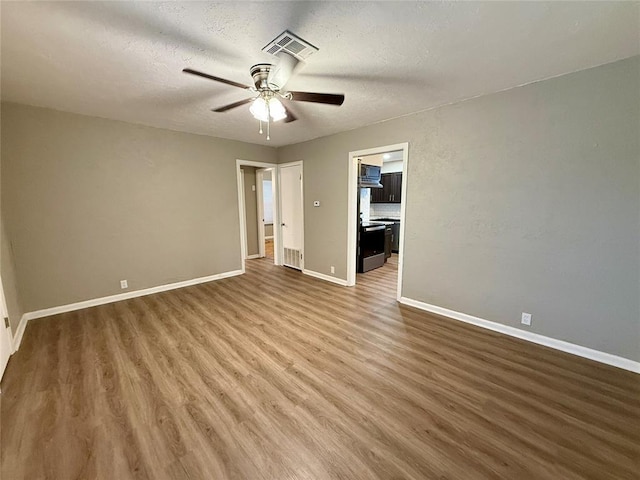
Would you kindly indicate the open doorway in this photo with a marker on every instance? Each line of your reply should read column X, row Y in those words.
column 265, row 197
column 377, row 199
column 251, row 211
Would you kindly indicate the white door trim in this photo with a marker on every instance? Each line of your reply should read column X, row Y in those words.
column 260, row 201
column 6, row 331
column 241, row 209
column 352, row 224
column 278, row 247
column 243, row 217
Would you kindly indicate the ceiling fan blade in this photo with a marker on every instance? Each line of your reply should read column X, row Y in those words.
column 217, row 79
column 328, row 98
column 290, row 116
column 232, row 105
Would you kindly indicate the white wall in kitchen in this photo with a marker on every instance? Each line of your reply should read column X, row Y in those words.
column 391, row 167
column 365, row 204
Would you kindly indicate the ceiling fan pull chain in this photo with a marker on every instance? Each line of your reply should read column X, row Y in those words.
column 260, row 121
column 268, row 121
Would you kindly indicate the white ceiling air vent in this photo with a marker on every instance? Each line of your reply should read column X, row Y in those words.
column 292, row 44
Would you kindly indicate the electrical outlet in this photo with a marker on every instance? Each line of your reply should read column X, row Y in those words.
column 526, row 318
column 333, row 269
column 124, row 284
column 316, row 203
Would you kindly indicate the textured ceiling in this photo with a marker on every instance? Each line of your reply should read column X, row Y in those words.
column 123, row 60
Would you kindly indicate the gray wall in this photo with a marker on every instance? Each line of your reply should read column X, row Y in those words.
column 251, row 209
column 526, row 200
column 88, row 202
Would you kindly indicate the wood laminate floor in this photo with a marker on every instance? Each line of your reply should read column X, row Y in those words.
column 268, row 249
column 275, row 375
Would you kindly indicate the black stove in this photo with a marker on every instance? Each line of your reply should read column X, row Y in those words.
column 371, row 242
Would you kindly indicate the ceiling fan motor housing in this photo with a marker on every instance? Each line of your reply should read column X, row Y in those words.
column 260, row 74
column 274, row 77
column 281, row 72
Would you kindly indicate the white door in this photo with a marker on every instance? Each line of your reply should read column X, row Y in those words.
column 291, row 218
column 5, row 332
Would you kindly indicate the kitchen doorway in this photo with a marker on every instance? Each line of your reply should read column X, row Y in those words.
column 252, row 225
column 376, row 222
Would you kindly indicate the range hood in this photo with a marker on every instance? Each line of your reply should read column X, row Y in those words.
column 365, row 184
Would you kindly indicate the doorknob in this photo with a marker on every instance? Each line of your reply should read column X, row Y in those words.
column 283, row 225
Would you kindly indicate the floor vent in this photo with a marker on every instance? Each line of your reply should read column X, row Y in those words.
column 292, row 258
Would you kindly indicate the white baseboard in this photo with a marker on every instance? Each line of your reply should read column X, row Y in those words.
column 269, row 237
column 251, row 257
column 572, row 348
column 124, row 296
column 327, row 278
column 17, row 338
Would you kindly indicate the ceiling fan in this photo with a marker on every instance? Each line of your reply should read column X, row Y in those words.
column 270, row 79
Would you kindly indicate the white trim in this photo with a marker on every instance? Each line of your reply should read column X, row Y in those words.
column 17, row 339
column 561, row 345
column 4, row 310
column 277, row 234
column 125, row 296
column 352, row 214
column 254, row 256
column 325, row 277
column 260, row 207
column 242, row 208
column 269, row 237
column 403, row 206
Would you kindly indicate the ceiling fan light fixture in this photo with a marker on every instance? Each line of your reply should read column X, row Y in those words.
column 276, row 109
column 260, row 110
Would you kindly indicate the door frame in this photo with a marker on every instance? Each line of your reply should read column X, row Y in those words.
column 280, row 246
column 260, row 197
column 241, row 209
column 352, row 209
column 4, row 310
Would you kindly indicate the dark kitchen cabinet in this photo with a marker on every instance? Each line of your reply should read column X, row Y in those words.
column 388, row 241
column 391, row 191
column 395, row 237
column 378, row 194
